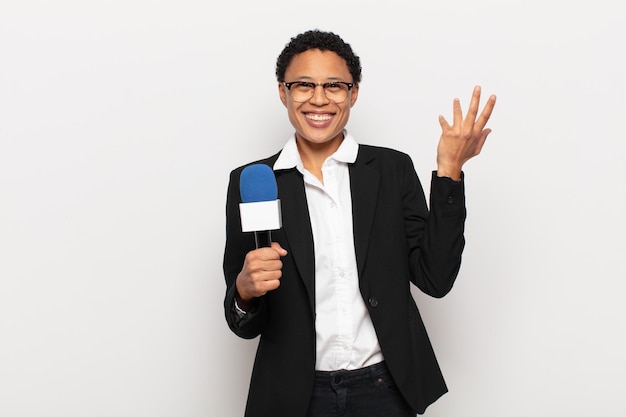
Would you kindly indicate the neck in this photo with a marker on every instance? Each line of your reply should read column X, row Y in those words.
column 313, row 155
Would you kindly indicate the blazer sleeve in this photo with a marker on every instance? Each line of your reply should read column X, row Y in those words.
column 435, row 243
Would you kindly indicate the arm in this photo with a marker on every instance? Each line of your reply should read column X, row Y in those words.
column 436, row 243
column 434, row 237
column 250, row 273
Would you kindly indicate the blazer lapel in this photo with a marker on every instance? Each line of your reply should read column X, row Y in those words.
column 364, row 183
column 297, row 227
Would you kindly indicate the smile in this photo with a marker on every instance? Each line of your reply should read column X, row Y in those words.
column 318, row 117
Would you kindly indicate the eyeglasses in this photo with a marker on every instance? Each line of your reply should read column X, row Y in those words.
column 303, row 91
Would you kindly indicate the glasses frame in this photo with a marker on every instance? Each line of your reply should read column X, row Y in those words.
column 324, row 85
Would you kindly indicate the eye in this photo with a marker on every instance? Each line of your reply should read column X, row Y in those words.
column 303, row 85
column 334, row 87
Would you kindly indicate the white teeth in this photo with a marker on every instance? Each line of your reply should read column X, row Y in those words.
column 318, row 117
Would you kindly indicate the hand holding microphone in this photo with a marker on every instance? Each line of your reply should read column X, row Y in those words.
column 260, row 213
column 261, row 272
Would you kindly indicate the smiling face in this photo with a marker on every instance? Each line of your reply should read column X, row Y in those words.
column 319, row 122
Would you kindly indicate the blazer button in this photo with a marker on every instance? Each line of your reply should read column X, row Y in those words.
column 373, row 302
column 450, row 200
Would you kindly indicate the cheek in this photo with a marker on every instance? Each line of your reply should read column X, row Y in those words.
column 293, row 115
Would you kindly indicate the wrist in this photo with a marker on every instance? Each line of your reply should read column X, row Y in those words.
column 242, row 304
column 452, row 173
column 448, row 167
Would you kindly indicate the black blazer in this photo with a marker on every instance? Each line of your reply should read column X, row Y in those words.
column 397, row 241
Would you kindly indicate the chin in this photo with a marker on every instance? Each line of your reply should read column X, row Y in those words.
column 322, row 138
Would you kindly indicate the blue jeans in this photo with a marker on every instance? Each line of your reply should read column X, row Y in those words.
column 366, row 392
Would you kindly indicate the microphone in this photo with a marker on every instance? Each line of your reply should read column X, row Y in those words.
column 260, row 207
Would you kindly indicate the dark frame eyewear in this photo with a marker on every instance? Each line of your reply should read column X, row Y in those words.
column 303, row 91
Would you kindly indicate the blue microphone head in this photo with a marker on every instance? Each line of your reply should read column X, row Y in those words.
column 257, row 183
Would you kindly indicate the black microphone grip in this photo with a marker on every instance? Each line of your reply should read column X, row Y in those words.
column 263, row 239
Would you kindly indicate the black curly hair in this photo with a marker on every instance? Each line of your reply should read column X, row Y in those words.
column 324, row 41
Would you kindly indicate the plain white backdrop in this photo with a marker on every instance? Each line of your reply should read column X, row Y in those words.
column 121, row 120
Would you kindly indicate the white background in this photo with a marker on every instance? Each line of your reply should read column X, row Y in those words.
column 121, row 120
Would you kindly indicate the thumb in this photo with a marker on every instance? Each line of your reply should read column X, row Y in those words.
column 276, row 246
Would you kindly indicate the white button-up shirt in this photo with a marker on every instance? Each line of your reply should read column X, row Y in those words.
column 345, row 335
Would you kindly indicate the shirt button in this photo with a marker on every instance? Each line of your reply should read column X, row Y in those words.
column 373, row 302
column 451, row 200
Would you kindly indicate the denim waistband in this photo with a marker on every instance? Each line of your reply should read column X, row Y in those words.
column 352, row 377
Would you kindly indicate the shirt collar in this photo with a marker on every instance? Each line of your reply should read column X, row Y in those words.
column 290, row 158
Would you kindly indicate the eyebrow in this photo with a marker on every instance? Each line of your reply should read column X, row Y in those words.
column 307, row 78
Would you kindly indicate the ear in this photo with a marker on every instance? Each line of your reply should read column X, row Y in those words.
column 282, row 94
column 354, row 94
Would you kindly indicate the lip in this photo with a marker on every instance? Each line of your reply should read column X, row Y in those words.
column 318, row 119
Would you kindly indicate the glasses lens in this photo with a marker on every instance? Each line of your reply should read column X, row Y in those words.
column 304, row 91
column 336, row 92
column 301, row 91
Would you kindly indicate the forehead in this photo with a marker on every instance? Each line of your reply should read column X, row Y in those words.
column 317, row 64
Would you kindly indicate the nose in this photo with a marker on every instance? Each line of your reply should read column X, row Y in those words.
column 319, row 96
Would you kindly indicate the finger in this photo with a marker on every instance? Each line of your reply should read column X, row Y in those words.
column 485, row 114
column 270, row 266
column 444, row 123
column 256, row 289
column 265, row 276
column 256, row 280
column 266, row 253
column 266, row 286
column 481, row 141
column 457, row 113
column 251, row 285
column 473, row 107
column 259, row 266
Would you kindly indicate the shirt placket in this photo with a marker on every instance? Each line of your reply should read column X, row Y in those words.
column 340, row 273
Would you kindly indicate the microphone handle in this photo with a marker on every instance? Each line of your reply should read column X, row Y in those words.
column 263, row 238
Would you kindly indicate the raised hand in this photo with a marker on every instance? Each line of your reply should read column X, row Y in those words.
column 465, row 138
